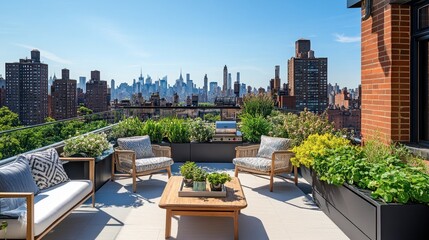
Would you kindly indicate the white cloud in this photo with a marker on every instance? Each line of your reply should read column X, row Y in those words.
column 345, row 39
column 46, row 54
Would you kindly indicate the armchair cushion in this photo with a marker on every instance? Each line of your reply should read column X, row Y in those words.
column 47, row 168
column 139, row 144
column 148, row 164
column 270, row 145
column 15, row 177
column 258, row 163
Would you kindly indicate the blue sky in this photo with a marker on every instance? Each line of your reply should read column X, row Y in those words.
column 198, row 36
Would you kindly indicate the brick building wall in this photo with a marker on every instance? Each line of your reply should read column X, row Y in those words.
column 386, row 72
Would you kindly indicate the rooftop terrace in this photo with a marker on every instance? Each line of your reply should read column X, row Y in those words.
column 287, row 213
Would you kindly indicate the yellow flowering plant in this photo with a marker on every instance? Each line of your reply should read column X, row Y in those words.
column 316, row 145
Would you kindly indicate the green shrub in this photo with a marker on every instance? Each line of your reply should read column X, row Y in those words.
column 314, row 145
column 127, row 128
column 218, row 178
column 154, row 130
column 253, row 127
column 177, row 130
column 256, row 105
column 92, row 145
column 210, row 117
column 187, row 169
column 277, row 120
column 299, row 127
column 200, row 130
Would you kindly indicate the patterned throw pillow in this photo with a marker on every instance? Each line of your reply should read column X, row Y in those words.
column 15, row 177
column 270, row 145
column 139, row 144
column 47, row 168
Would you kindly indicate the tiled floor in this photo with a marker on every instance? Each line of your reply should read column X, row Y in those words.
column 286, row 213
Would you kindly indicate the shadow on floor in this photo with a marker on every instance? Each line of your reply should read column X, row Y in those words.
column 190, row 228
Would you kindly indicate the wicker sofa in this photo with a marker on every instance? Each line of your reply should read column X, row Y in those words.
column 46, row 209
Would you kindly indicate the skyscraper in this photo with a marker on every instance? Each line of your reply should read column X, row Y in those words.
column 112, row 88
column 2, row 91
column 225, row 80
column 27, row 89
column 308, row 78
column 205, row 88
column 96, row 97
column 238, row 77
column 82, row 83
column 229, row 84
column 276, row 79
column 63, row 92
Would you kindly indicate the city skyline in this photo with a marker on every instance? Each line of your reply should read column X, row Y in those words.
column 161, row 38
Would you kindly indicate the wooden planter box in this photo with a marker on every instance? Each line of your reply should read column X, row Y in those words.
column 361, row 217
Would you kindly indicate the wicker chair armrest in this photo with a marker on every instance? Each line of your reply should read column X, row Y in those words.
column 282, row 155
column 161, row 151
column 246, row 151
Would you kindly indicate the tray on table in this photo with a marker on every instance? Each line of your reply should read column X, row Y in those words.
column 188, row 192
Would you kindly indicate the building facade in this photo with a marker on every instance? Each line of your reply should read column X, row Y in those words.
column 96, row 96
column 64, row 98
column 308, row 78
column 225, row 80
column 2, row 91
column 27, row 89
column 394, row 69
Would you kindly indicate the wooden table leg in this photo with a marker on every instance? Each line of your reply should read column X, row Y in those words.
column 236, row 213
column 168, row 224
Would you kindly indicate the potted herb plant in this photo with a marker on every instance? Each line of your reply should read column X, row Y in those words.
column 187, row 171
column 216, row 180
column 200, row 177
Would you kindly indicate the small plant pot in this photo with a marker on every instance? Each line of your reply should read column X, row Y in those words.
column 217, row 187
column 188, row 182
column 199, row 186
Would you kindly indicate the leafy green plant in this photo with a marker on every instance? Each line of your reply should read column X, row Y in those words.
column 127, row 128
column 92, row 145
column 256, row 105
column 277, row 120
column 254, row 127
column 177, row 130
column 200, row 175
column 299, row 127
column 210, row 117
column 389, row 178
column 200, row 130
column 187, row 169
column 154, row 130
column 314, row 145
column 3, row 227
column 218, row 178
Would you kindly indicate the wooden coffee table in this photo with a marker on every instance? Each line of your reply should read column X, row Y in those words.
column 228, row 206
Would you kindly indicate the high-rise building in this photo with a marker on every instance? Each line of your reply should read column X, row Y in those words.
column 2, row 91
column 63, row 92
column 82, row 83
column 112, row 88
column 205, row 88
column 276, row 86
column 229, row 83
column 308, row 78
column 27, row 89
column 96, row 97
column 238, row 77
column 225, row 80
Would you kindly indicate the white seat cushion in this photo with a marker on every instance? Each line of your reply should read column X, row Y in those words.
column 49, row 205
column 147, row 164
column 258, row 163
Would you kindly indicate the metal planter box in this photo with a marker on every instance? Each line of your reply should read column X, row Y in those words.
column 181, row 152
column 213, row 152
column 361, row 217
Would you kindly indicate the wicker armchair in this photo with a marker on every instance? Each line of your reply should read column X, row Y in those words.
column 247, row 161
column 125, row 162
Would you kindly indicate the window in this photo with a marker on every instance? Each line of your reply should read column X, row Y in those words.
column 420, row 73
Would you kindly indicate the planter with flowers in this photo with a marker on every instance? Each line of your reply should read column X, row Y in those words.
column 89, row 145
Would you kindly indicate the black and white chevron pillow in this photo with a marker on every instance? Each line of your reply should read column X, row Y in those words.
column 46, row 168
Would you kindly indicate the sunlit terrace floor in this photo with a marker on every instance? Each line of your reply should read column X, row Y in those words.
column 286, row 213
